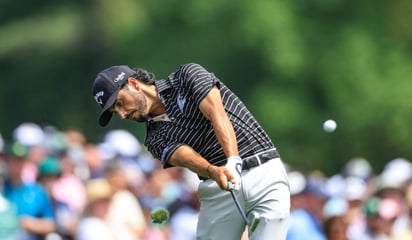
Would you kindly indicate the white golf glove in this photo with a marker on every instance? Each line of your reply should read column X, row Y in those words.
column 234, row 164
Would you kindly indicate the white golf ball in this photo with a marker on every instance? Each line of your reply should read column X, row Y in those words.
column 329, row 125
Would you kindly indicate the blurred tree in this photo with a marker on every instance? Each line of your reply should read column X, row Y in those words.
column 294, row 63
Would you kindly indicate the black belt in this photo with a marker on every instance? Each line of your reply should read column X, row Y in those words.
column 259, row 159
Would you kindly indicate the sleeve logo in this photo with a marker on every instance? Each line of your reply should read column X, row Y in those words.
column 181, row 102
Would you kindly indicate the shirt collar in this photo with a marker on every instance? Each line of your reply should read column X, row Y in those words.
column 162, row 85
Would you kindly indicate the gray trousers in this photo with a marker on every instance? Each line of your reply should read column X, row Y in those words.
column 264, row 189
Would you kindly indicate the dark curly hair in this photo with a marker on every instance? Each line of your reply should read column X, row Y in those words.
column 144, row 76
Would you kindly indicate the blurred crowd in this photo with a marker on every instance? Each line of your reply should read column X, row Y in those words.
column 57, row 185
column 354, row 204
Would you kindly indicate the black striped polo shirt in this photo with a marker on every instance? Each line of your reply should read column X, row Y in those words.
column 181, row 94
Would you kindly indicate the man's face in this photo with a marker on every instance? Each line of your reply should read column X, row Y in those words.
column 49, row 181
column 130, row 104
column 15, row 166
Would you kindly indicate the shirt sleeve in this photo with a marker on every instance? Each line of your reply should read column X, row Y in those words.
column 47, row 208
column 163, row 151
column 197, row 81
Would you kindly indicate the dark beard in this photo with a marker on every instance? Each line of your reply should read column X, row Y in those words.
column 141, row 104
column 142, row 118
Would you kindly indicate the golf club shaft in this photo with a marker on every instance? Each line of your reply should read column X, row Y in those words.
column 242, row 213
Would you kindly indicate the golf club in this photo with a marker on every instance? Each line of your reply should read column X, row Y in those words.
column 231, row 190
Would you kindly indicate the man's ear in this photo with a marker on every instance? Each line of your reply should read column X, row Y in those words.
column 134, row 83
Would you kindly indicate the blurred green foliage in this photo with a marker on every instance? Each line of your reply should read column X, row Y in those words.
column 294, row 63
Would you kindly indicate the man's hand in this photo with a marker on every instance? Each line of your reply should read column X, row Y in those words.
column 234, row 164
column 229, row 172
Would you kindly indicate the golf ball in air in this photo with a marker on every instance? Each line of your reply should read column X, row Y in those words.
column 329, row 125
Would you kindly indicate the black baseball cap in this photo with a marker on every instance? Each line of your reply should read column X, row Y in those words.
column 106, row 86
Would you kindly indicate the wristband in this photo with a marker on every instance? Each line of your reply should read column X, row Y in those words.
column 234, row 158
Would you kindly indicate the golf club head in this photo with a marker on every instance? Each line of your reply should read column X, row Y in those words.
column 254, row 218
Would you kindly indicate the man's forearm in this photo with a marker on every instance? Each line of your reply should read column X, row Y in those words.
column 37, row 225
column 186, row 157
column 226, row 136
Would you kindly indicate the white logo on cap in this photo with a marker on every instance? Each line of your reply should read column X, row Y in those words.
column 98, row 97
column 119, row 77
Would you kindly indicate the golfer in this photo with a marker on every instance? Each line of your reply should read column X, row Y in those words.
column 193, row 120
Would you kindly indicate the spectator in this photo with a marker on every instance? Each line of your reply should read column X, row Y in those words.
column 69, row 188
column 33, row 204
column 184, row 210
column 407, row 233
column 9, row 224
column 74, row 155
column 381, row 215
column 356, row 192
column 306, row 216
column 184, row 220
column 392, row 184
column 93, row 225
column 33, row 137
column 336, row 228
column 94, row 160
column 151, row 196
column 66, row 218
column 125, row 214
